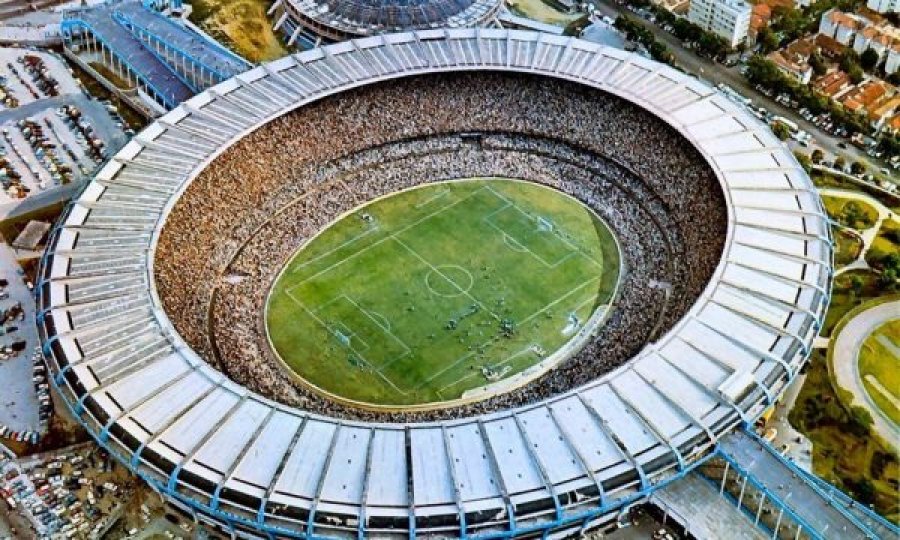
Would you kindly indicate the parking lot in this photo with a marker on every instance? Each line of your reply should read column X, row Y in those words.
column 51, row 133
column 71, row 493
column 24, row 402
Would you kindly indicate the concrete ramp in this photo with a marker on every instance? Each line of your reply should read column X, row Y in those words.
column 696, row 505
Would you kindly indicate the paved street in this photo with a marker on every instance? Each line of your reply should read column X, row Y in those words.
column 19, row 403
column 846, row 369
column 718, row 73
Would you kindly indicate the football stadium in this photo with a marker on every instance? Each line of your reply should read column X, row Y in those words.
column 441, row 283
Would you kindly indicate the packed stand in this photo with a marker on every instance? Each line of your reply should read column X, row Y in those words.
column 255, row 205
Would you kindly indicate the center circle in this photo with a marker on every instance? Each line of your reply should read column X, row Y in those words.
column 444, row 293
column 449, row 280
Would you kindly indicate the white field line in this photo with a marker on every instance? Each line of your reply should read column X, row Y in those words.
column 383, row 329
column 438, row 272
column 386, row 238
column 494, row 366
column 363, row 358
column 558, row 300
column 341, row 246
column 563, row 240
column 434, row 197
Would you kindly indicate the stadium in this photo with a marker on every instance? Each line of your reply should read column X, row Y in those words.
column 161, row 285
column 333, row 20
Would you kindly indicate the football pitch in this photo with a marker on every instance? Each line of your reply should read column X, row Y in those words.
column 425, row 294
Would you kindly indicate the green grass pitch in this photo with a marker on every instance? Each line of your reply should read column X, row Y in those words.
column 422, row 295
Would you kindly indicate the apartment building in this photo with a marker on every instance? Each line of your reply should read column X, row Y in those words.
column 729, row 19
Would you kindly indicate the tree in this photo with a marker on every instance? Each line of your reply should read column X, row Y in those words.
column 767, row 40
column 856, row 74
column 860, row 420
column 849, row 59
column 856, row 285
column 864, row 490
column 840, row 163
column 818, row 64
column 869, row 59
column 781, row 131
column 857, row 168
column 804, row 160
column 889, row 279
column 817, row 156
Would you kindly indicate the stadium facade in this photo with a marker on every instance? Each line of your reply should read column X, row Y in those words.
column 257, row 468
column 336, row 20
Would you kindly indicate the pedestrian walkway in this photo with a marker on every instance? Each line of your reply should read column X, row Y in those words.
column 697, row 506
column 814, row 503
column 845, row 366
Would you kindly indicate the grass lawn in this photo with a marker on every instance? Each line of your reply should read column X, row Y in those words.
column 828, row 181
column 848, row 246
column 879, row 367
column 844, row 298
column 843, row 453
column 242, row 25
column 427, row 293
column 886, row 242
column 850, row 212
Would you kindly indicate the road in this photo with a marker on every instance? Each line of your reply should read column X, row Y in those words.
column 846, row 368
column 717, row 73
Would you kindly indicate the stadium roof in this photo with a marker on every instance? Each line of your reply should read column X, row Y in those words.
column 368, row 17
column 230, row 453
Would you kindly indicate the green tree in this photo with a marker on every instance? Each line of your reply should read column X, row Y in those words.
column 849, row 59
column 856, row 74
column 869, row 59
column 856, row 285
column 840, row 163
column 817, row 156
column 818, row 64
column 889, row 279
column 804, row 161
column 767, row 40
column 862, row 417
column 858, row 167
column 781, row 131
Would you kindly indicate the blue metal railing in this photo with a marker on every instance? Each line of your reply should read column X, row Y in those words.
column 69, row 27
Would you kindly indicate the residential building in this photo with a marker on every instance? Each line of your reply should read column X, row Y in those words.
column 893, row 125
column 841, row 26
column 862, row 34
column 794, row 59
column 892, row 64
column 729, row 19
column 884, row 6
column 880, row 113
column 832, row 84
column 861, row 98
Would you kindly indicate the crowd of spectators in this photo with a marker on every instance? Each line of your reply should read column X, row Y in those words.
column 256, row 204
